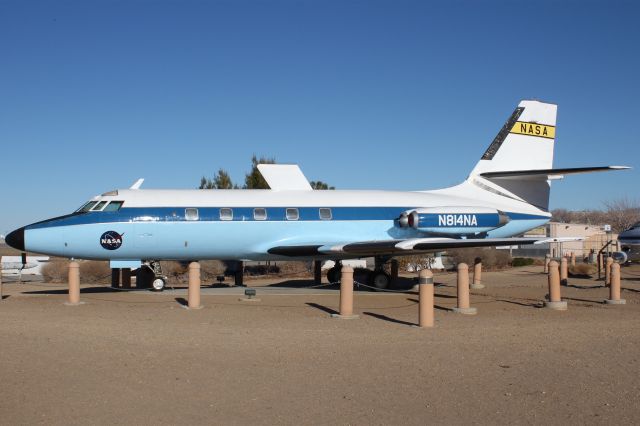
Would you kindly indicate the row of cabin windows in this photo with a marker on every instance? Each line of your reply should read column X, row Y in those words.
column 259, row 213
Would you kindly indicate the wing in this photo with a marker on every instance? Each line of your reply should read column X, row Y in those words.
column 396, row 247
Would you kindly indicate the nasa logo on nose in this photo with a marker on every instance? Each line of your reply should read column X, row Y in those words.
column 111, row 240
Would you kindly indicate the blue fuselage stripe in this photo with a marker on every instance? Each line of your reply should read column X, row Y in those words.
column 240, row 214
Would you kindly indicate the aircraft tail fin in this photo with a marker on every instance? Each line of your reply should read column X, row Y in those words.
column 525, row 142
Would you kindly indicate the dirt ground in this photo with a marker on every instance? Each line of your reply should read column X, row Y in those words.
column 142, row 358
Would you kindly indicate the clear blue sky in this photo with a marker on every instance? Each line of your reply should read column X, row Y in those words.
column 362, row 94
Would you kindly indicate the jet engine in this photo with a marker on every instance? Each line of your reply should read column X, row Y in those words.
column 453, row 220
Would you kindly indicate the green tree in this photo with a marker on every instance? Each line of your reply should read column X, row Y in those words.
column 222, row 180
column 253, row 179
column 318, row 184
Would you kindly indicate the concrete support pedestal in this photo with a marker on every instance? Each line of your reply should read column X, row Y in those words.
column 607, row 271
column 614, row 288
column 547, row 259
column 426, row 315
column 476, row 284
column 555, row 302
column 193, row 294
column 564, row 272
column 74, row 284
column 463, row 292
column 346, row 294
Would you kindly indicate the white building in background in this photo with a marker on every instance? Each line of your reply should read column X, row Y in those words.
column 595, row 238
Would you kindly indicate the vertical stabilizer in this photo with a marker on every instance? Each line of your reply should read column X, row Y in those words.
column 525, row 142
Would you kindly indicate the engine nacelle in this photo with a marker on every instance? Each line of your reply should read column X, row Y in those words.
column 453, row 220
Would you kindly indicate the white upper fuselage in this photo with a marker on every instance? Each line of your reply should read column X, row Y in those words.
column 155, row 224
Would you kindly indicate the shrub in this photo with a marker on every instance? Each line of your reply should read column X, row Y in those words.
column 582, row 270
column 93, row 271
column 56, row 271
column 522, row 261
column 491, row 258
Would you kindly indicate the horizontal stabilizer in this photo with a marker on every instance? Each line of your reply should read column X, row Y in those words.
column 548, row 173
column 284, row 177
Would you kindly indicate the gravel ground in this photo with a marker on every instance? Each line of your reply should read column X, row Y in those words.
column 142, row 358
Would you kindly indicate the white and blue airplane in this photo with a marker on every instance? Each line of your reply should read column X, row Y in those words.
column 506, row 194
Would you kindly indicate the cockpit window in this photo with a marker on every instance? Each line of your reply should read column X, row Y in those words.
column 113, row 206
column 87, row 206
column 99, row 206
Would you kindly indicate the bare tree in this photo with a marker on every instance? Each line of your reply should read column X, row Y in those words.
column 622, row 213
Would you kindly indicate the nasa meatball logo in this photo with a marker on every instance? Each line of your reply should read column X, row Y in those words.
column 111, row 240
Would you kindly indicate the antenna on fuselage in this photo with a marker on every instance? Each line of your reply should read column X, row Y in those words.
column 137, row 184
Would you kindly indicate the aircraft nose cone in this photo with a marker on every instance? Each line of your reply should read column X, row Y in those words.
column 16, row 239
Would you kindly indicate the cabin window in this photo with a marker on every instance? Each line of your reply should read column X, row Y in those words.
column 325, row 214
column 191, row 214
column 292, row 214
column 99, row 206
column 226, row 214
column 113, row 206
column 87, row 206
column 260, row 213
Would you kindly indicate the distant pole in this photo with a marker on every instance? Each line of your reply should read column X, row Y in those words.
column 126, row 277
column 317, row 272
column 1, row 296
column 395, row 267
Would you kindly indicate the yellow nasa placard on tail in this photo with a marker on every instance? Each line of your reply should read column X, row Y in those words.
column 534, row 129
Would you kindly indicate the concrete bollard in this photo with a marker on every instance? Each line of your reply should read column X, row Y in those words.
column 600, row 264
column 614, row 287
column 555, row 301
column 547, row 259
column 477, row 275
column 607, row 271
column 346, row 294
column 463, row 291
column 194, row 286
column 573, row 259
column 74, row 284
column 564, row 272
column 425, row 316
